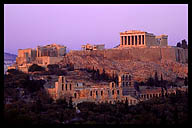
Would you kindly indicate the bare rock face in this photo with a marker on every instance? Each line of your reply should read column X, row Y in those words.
column 140, row 62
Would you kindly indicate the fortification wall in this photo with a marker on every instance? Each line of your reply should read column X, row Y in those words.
column 142, row 54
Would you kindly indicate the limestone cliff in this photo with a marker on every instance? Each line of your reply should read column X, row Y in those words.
column 140, row 62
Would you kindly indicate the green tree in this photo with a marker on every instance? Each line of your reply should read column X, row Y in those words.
column 184, row 44
column 36, row 67
column 156, row 82
column 150, row 81
column 14, row 71
column 70, row 103
column 179, row 44
column 186, row 81
column 53, row 67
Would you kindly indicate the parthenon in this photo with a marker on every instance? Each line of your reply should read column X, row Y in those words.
column 134, row 38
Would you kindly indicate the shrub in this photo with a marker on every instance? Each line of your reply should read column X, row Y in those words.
column 36, row 67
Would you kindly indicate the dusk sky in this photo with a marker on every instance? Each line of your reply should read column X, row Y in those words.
column 27, row 26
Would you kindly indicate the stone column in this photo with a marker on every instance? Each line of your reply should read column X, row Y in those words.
column 37, row 53
column 127, row 40
column 144, row 40
column 138, row 39
column 40, row 53
column 121, row 40
column 130, row 39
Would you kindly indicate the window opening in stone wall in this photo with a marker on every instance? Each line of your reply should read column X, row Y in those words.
column 62, row 86
column 112, row 85
column 123, row 84
column 90, row 93
column 96, row 93
column 66, row 87
column 117, row 92
column 101, row 93
column 112, row 92
column 70, row 86
column 130, row 101
column 62, row 80
column 75, row 95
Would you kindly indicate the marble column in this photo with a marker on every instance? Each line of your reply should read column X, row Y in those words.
column 121, row 40
column 137, row 39
column 144, row 40
column 130, row 40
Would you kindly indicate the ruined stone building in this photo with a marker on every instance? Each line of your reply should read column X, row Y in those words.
column 134, row 38
column 42, row 55
column 89, row 47
column 81, row 91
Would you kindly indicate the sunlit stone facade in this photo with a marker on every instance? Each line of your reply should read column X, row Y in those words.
column 134, row 38
column 89, row 47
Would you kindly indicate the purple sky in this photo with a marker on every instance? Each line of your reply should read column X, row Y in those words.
column 26, row 26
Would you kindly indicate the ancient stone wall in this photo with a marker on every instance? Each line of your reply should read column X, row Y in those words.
column 139, row 62
column 143, row 54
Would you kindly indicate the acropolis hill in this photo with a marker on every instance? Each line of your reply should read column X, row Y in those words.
column 139, row 56
column 140, row 62
column 139, row 53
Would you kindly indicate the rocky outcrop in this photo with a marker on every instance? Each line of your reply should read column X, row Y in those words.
column 140, row 62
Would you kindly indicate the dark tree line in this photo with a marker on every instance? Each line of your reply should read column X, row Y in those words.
column 169, row 110
column 97, row 76
column 173, row 109
column 36, row 67
column 156, row 82
column 18, row 79
column 54, row 69
column 183, row 44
